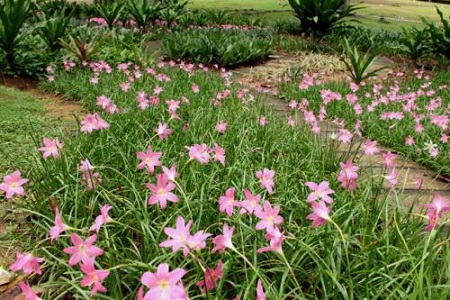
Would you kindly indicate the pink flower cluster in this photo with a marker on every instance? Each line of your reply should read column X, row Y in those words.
column 202, row 153
column 93, row 122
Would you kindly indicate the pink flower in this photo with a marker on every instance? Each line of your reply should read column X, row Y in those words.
column 276, row 237
column 164, row 285
column 227, row 202
column 347, row 176
column 210, row 278
column 221, row 126
column 195, row 88
column 320, row 214
column 82, row 250
column 198, row 240
column 250, row 203
column 409, row 141
column 162, row 131
column 392, row 177
column 269, row 216
column 88, row 177
column 161, row 192
column 101, row 219
column 171, row 173
column 180, row 236
column 93, row 122
column 259, row 291
column 218, row 154
column 149, row 160
column 106, row 104
column 263, row 121
column 59, row 227
column 199, row 153
column 266, row 178
column 157, row 90
column 27, row 263
column 50, row 148
column 435, row 211
column 319, row 191
column 28, row 292
column 125, row 86
column 93, row 277
column 12, row 185
column 388, row 159
column 369, row 147
column 345, row 136
column 172, row 105
column 142, row 100
column 224, row 240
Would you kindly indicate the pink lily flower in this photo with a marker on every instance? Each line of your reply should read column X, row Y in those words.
column 12, row 185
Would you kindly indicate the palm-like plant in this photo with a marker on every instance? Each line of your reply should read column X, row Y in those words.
column 53, row 28
column 415, row 43
column 83, row 46
column 144, row 12
column 13, row 14
column 111, row 12
column 439, row 35
column 357, row 66
column 318, row 17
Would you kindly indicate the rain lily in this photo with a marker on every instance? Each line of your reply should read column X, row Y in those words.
column 101, row 219
column 224, row 240
column 435, row 211
column 28, row 292
column 162, row 191
column 81, row 250
column 266, row 179
column 12, row 185
column 227, row 202
column 93, row 277
column 164, row 285
column 27, row 263
column 319, row 191
column 50, row 148
column 59, row 227
column 149, row 160
column 320, row 214
column 268, row 216
column 210, row 278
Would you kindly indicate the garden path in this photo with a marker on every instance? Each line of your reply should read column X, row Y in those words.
column 263, row 79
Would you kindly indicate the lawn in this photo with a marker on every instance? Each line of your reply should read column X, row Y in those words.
column 398, row 13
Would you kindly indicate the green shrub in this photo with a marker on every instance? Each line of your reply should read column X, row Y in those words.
column 377, row 41
column 12, row 18
column 415, row 43
column 218, row 46
column 318, row 17
column 440, row 35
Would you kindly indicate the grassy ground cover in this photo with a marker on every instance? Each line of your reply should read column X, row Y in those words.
column 21, row 116
column 257, row 170
column 408, row 114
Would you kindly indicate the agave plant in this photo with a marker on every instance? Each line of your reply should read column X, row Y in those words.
column 318, row 17
column 357, row 66
column 144, row 12
column 52, row 29
column 110, row 11
column 13, row 14
column 83, row 46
